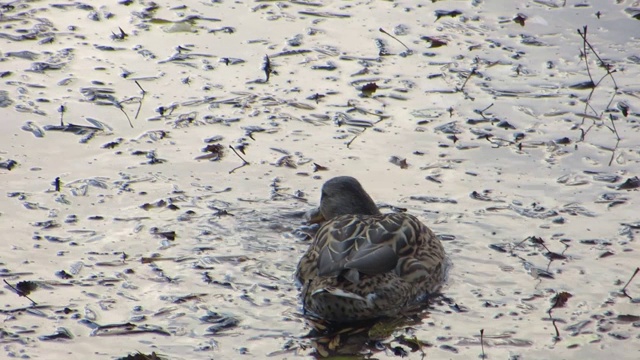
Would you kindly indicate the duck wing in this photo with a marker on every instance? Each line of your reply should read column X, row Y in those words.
column 333, row 256
column 353, row 256
column 359, row 245
column 373, row 259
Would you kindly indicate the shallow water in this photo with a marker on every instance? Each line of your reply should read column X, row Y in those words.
column 144, row 232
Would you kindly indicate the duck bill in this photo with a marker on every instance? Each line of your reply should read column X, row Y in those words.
column 315, row 216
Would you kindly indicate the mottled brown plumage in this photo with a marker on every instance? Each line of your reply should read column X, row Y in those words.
column 363, row 264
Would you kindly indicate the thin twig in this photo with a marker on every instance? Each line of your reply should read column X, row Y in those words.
column 584, row 51
column 144, row 92
column 394, row 38
column 553, row 321
column 624, row 289
column 586, row 46
column 473, row 71
column 241, row 158
column 61, row 110
column 615, row 131
column 125, row 114
column 613, row 152
column 559, row 300
column 485, row 109
column 602, row 63
column 566, row 247
column 20, row 292
column 139, row 107
column 244, row 162
column 483, row 356
column 518, row 244
column 266, row 67
column 140, row 86
column 353, row 138
column 606, row 66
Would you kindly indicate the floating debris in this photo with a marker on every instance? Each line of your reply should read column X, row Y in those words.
column 432, row 199
column 60, row 334
column 630, row 183
column 214, row 152
column 220, row 322
column 8, row 164
column 401, row 162
column 447, row 13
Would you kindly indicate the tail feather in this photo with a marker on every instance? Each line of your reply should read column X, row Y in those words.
column 338, row 293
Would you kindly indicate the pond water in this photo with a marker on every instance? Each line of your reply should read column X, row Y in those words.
column 157, row 158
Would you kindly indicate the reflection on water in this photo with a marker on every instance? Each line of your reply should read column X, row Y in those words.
column 392, row 336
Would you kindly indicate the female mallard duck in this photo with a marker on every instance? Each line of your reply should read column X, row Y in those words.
column 363, row 264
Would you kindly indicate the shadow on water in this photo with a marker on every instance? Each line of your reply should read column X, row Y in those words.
column 389, row 335
column 392, row 336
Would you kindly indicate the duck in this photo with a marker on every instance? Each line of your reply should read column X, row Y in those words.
column 362, row 264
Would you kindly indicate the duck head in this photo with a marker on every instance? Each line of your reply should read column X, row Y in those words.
column 343, row 195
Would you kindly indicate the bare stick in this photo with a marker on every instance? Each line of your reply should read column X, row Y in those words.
column 143, row 94
column 485, row 109
column 140, row 86
column 559, row 301
column 241, row 158
column 607, row 67
column 483, row 356
column 584, row 51
column 125, row 114
column 520, row 243
column 553, row 321
column 266, row 67
column 56, row 184
column 586, row 46
column 61, row 110
column 624, row 289
column 353, row 138
column 244, row 162
column 20, row 292
column 613, row 152
column 473, row 71
column 602, row 63
column 394, row 38
column 615, row 131
column 139, row 107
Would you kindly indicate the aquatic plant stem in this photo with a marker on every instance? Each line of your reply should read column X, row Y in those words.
column 394, row 38
column 244, row 162
column 144, row 92
column 624, row 289
column 353, row 138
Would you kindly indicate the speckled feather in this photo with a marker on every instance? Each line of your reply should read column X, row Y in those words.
column 363, row 266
